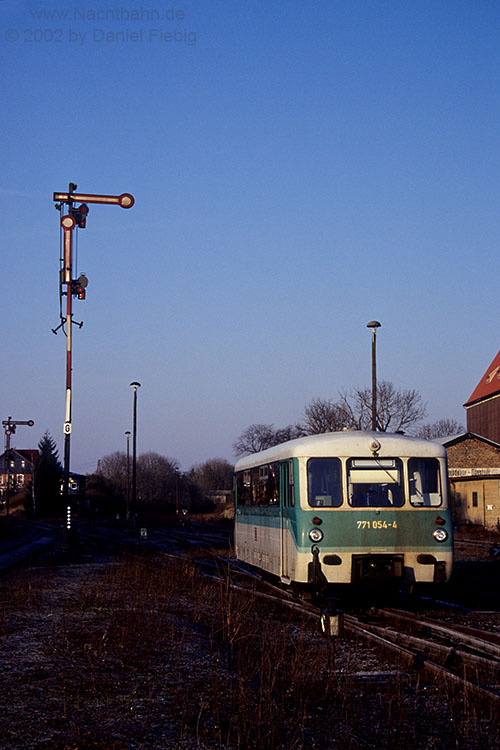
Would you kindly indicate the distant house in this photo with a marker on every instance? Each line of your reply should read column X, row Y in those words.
column 483, row 406
column 16, row 467
column 221, row 497
column 474, row 472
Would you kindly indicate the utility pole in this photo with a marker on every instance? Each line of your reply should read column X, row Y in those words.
column 75, row 217
column 10, row 428
column 374, row 324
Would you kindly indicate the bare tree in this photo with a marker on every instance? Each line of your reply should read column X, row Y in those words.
column 114, row 468
column 441, row 428
column 156, row 479
column 214, row 474
column 324, row 416
column 290, row 432
column 397, row 410
column 255, row 438
column 258, row 437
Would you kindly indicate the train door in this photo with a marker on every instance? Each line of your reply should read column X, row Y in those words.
column 285, row 503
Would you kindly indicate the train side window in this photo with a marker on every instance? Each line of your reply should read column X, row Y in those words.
column 291, row 484
column 324, row 483
column 258, row 487
column 243, row 488
column 425, row 490
column 273, row 484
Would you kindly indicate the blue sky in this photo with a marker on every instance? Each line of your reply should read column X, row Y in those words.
column 299, row 169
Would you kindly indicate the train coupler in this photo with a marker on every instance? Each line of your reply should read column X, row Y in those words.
column 315, row 576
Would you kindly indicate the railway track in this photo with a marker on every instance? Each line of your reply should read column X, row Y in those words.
column 36, row 538
column 460, row 656
column 465, row 658
column 29, row 538
column 468, row 660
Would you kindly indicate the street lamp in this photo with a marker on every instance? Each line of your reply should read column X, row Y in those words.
column 374, row 324
column 127, row 433
column 135, row 386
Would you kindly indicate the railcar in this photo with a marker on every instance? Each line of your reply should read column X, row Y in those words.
column 346, row 508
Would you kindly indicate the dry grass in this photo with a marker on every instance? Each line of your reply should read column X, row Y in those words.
column 143, row 654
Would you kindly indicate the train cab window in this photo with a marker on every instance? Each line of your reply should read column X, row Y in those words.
column 375, row 482
column 425, row 488
column 324, row 483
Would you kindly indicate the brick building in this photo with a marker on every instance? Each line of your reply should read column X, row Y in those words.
column 483, row 406
column 474, row 472
column 16, row 473
column 17, row 466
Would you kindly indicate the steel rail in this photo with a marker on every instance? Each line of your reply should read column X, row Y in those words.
column 423, row 663
column 474, row 642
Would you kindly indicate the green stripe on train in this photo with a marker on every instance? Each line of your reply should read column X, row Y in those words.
column 350, row 529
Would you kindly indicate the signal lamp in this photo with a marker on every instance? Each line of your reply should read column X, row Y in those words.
column 79, row 214
column 317, row 521
column 78, row 286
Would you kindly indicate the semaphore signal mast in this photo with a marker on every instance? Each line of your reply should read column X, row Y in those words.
column 76, row 216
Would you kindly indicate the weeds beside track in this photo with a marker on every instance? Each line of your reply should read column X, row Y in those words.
column 144, row 654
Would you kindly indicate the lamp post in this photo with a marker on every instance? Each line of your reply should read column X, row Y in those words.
column 374, row 324
column 134, row 386
column 128, row 475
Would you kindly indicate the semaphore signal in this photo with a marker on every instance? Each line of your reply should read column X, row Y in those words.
column 75, row 217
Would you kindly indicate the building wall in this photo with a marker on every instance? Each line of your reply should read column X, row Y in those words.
column 484, row 418
column 21, row 470
column 474, row 470
column 472, row 453
column 477, row 501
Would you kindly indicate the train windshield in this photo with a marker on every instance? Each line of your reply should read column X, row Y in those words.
column 425, row 487
column 324, row 482
column 375, row 482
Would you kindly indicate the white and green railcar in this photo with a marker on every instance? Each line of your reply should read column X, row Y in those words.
column 346, row 507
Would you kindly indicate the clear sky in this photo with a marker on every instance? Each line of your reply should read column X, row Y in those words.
column 299, row 169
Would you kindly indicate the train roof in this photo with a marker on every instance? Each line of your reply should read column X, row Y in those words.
column 345, row 443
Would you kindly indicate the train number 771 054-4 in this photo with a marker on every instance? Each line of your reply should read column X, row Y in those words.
column 377, row 524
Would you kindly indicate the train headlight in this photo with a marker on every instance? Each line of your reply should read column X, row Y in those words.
column 315, row 535
column 440, row 535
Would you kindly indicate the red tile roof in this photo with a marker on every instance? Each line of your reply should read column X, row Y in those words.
column 489, row 385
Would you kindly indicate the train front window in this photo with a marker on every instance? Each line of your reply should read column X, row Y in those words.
column 324, row 483
column 425, row 488
column 375, row 482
